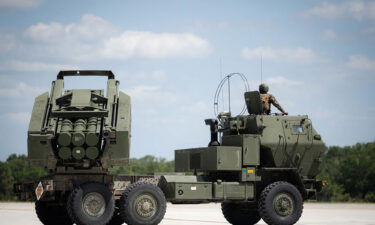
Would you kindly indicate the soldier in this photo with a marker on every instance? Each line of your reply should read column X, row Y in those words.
column 268, row 99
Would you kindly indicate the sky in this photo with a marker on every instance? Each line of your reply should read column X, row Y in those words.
column 318, row 57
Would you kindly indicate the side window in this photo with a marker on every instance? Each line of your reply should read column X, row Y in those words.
column 297, row 129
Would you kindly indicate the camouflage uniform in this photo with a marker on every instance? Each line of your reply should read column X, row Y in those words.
column 268, row 99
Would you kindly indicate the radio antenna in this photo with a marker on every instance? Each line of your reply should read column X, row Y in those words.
column 221, row 87
column 221, row 77
column 261, row 68
column 229, row 92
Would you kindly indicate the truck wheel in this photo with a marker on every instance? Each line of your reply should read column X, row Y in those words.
column 52, row 214
column 239, row 214
column 116, row 218
column 280, row 203
column 142, row 204
column 91, row 204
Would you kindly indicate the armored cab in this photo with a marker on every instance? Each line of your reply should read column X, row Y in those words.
column 80, row 129
column 257, row 165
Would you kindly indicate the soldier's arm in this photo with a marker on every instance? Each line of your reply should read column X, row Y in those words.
column 277, row 105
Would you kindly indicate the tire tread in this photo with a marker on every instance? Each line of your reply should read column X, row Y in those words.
column 124, row 203
column 234, row 216
column 262, row 203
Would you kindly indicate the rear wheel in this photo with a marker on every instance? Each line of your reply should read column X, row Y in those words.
column 280, row 203
column 142, row 204
column 91, row 204
column 51, row 213
column 116, row 219
column 240, row 213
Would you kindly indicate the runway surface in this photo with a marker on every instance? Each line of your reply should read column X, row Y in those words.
column 206, row 214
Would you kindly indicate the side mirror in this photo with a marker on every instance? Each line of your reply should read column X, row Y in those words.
column 214, row 133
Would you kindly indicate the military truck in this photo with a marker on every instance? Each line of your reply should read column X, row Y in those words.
column 257, row 166
column 77, row 136
column 264, row 166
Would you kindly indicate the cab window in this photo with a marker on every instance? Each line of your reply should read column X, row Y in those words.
column 298, row 129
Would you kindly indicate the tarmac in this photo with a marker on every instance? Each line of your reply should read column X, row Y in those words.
column 208, row 214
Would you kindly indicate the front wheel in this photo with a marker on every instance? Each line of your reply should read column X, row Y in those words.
column 280, row 203
column 91, row 204
column 142, row 204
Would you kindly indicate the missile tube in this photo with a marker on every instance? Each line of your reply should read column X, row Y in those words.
column 78, row 138
column 92, row 138
column 65, row 135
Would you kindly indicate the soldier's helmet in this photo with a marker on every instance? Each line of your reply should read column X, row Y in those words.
column 263, row 88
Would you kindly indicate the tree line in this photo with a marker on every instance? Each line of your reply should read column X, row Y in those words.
column 349, row 171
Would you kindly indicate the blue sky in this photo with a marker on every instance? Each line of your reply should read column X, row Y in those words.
column 318, row 59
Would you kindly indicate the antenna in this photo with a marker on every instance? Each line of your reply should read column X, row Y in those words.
column 221, row 87
column 229, row 92
column 221, row 77
column 261, row 68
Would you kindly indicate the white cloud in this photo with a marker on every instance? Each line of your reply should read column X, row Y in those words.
column 19, row 117
column 10, row 5
column 25, row 66
column 155, row 45
column 90, row 27
column 329, row 34
column 282, row 81
column 295, row 55
column 361, row 62
column 94, row 38
column 22, row 90
column 356, row 9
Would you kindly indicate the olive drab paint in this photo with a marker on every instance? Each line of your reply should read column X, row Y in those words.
column 80, row 128
column 256, row 165
column 253, row 151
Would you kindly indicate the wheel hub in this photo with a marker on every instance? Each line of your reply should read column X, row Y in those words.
column 283, row 204
column 94, row 204
column 145, row 205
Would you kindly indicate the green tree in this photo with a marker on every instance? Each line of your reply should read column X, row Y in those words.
column 146, row 165
column 357, row 170
column 21, row 169
column 350, row 172
column 6, row 182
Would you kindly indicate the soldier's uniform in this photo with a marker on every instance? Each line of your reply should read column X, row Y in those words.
column 268, row 99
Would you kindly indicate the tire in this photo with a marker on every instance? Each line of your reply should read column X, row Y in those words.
column 52, row 213
column 116, row 218
column 142, row 204
column 239, row 214
column 280, row 203
column 91, row 204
